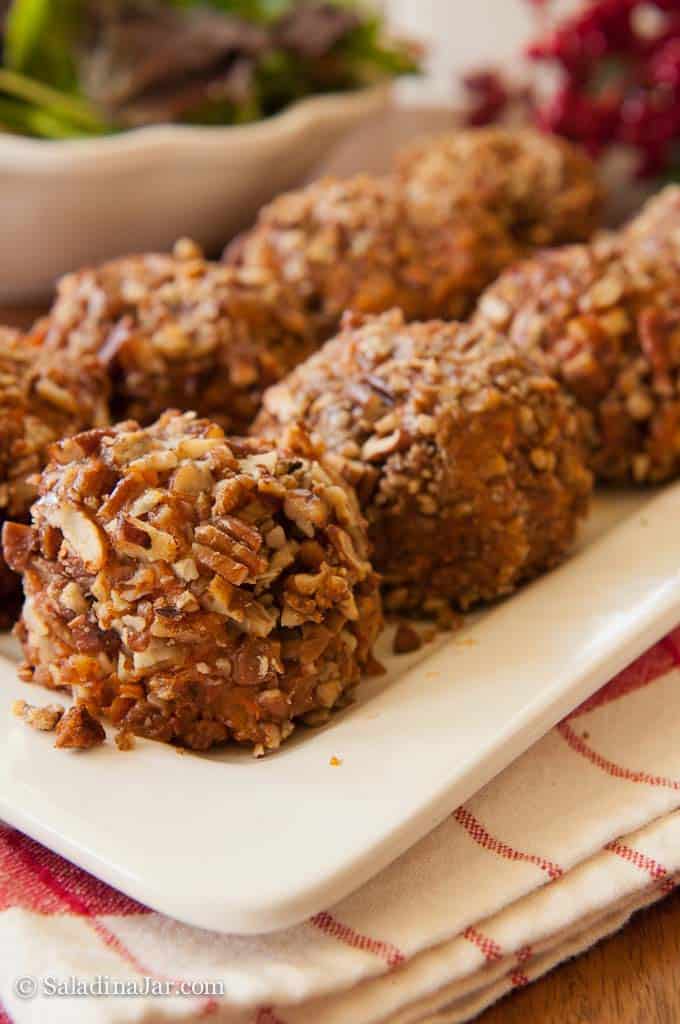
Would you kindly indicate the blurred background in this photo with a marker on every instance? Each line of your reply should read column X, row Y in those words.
column 113, row 112
column 457, row 34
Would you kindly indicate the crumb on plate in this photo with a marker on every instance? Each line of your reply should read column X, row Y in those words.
column 79, row 730
column 125, row 739
column 44, row 719
column 406, row 639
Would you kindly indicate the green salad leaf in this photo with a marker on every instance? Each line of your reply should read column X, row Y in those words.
column 69, row 110
column 253, row 10
column 40, row 38
column 298, row 48
column 365, row 46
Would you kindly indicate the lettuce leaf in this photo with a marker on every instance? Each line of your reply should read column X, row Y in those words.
column 40, row 37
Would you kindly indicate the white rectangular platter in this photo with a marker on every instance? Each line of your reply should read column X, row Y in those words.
column 228, row 842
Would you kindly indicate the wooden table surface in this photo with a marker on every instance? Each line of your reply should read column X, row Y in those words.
column 634, row 976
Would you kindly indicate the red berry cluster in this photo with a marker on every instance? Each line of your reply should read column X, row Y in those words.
column 488, row 96
column 619, row 81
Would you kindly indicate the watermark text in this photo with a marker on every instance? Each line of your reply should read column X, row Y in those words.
column 102, row 986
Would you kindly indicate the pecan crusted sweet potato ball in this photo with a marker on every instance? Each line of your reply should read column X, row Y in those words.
column 658, row 222
column 467, row 457
column 361, row 244
column 542, row 188
column 41, row 400
column 180, row 332
column 607, row 316
column 196, row 589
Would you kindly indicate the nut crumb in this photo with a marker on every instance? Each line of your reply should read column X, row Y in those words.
column 19, row 708
column 79, row 730
column 125, row 740
column 374, row 667
column 406, row 639
column 44, row 719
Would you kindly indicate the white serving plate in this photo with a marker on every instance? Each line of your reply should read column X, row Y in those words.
column 67, row 204
column 228, row 842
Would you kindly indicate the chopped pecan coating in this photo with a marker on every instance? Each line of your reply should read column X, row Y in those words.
column 543, row 189
column 467, row 457
column 78, row 729
column 180, row 332
column 18, row 542
column 196, row 589
column 657, row 222
column 607, row 316
column 41, row 400
column 362, row 244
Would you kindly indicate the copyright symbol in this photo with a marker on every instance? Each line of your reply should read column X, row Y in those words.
column 26, row 987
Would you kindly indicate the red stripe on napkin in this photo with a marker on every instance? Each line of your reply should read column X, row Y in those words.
column 518, row 977
column 329, row 925
column 265, row 1015
column 73, row 891
column 488, row 946
column 38, row 880
column 655, row 870
column 617, row 771
column 480, row 835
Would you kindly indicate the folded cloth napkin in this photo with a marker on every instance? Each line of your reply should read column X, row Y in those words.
column 552, row 855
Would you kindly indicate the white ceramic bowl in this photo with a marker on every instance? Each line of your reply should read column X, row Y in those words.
column 64, row 205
